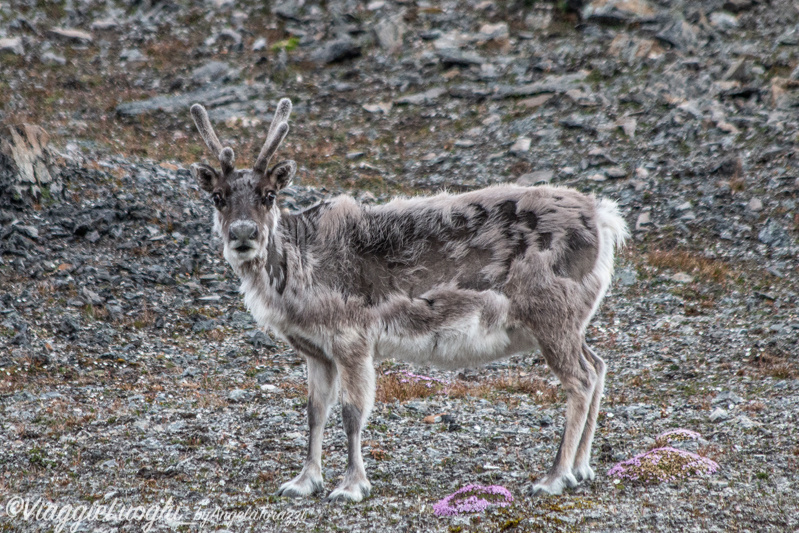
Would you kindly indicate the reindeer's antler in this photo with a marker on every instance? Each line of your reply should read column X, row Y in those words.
column 277, row 132
column 203, row 123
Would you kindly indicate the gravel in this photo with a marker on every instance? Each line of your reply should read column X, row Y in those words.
column 131, row 373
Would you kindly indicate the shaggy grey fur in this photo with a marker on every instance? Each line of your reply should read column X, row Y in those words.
column 452, row 280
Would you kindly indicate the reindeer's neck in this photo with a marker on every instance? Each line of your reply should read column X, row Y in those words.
column 293, row 234
column 275, row 264
column 265, row 276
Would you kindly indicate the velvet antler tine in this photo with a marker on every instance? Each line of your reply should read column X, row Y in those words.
column 203, row 123
column 224, row 155
column 281, row 115
column 277, row 132
column 270, row 147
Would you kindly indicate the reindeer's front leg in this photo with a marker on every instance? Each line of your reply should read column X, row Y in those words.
column 357, row 397
column 322, row 376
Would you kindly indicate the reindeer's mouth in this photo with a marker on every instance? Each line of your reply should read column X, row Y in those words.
column 241, row 251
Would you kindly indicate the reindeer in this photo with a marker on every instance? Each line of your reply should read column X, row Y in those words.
column 450, row 280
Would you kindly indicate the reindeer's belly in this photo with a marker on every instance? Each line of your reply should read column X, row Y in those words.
column 450, row 328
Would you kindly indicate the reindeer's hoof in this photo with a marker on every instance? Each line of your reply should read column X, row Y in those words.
column 553, row 485
column 584, row 473
column 299, row 487
column 354, row 492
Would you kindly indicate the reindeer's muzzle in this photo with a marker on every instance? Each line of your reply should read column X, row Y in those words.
column 243, row 236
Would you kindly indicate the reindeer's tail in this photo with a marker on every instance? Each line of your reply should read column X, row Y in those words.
column 613, row 233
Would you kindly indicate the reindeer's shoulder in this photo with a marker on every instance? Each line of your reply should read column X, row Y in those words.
column 338, row 215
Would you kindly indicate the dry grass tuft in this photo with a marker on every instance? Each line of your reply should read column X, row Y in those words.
column 772, row 362
column 754, row 407
column 397, row 387
column 533, row 386
column 691, row 262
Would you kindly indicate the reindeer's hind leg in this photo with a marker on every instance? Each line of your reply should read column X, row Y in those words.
column 582, row 469
column 322, row 375
column 579, row 381
column 357, row 398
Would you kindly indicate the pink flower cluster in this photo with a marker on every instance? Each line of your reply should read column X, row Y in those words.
column 473, row 499
column 663, row 464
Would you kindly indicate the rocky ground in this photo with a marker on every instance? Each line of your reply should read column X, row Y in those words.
column 130, row 371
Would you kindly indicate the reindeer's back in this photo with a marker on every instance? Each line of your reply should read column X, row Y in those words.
column 469, row 240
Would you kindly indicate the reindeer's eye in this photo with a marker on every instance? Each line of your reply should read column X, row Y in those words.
column 219, row 201
column 269, row 198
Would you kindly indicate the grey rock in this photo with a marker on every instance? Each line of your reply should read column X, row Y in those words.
column 239, row 395
column 736, row 71
column 498, row 31
column 191, row 372
column 723, row 21
column 265, row 377
column 390, row 32
column 727, row 397
column 203, row 325
column 69, row 325
column 745, row 422
column 789, row 37
column 259, row 339
column 231, row 36
column 211, row 71
column 616, row 11
column 738, row 6
column 532, row 178
column 453, row 56
column 419, row 407
column 643, row 221
column 13, row 45
column 616, row 172
column 719, row 415
column 755, row 205
column 627, row 276
column 425, row 98
column 28, row 231
column 91, row 297
column 50, row 58
column 242, row 320
column 521, row 146
column 71, row 35
column 177, row 426
column 773, row 234
column 680, row 34
column 550, row 84
column 210, row 97
column 104, row 25
column 259, row 44
column 336, row 51
column 132, row 55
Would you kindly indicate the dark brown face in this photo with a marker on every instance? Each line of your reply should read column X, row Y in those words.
column 245, row 216
column 246, row 210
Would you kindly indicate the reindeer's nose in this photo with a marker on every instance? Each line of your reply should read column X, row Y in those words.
column 243, row 231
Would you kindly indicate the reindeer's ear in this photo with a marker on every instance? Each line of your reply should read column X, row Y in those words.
column 280, row 175
column 206, row 176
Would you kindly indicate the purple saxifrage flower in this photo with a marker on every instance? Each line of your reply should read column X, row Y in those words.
column 473, row 499
column 663, row 464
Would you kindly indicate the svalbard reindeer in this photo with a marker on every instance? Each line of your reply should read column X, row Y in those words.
column 450, row 280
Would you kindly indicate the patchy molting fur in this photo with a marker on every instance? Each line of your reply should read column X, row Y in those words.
column 450, row 280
